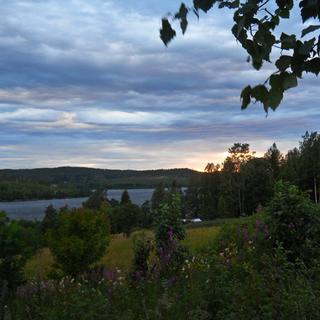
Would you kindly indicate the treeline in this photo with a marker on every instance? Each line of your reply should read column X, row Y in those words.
column 244, row 183
column 49, row 183
column 15, row 190
column 124, row 215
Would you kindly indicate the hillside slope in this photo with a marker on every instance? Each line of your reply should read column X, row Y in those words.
column 46, row 183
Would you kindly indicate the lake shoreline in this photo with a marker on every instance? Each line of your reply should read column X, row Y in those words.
column 35, row 209
column 72, row 197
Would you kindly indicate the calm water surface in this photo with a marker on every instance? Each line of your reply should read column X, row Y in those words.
column 31, row 210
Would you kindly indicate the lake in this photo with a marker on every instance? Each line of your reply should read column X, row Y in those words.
column 31, row 210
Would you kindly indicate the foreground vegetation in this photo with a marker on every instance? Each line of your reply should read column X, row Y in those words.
column 265, row 266
column 120, row 252
column 115, row 260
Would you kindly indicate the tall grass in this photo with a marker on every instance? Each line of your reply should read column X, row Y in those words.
column 119, row 254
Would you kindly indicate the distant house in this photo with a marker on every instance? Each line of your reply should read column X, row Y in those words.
column 195, row 220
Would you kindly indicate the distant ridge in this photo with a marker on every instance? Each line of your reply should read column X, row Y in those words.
column 46, row 183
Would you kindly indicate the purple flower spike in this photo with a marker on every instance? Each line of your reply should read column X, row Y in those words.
column 246, row 235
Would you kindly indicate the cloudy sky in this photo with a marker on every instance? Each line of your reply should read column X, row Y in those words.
column 89, row 83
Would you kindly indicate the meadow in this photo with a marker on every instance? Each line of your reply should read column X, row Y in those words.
column 265, row 266
column 119, row 254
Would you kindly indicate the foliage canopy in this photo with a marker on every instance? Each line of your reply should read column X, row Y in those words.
column 257, row 27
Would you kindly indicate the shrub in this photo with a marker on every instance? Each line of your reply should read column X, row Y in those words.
column 79, row 240
column 124, row 218
column 142, row 248
column 50, row 219
column 96, row 200
column 169, row 223
column 294, row 222
column 14, row 251
column 168, row 234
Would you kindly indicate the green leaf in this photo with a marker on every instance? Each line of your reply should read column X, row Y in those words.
column 287, row 42
column 307, row 47
column 204, row 5
column 182, row 16
column 240, row 25
column 229, row 4
column 309, row 29
column 275, row 20
column 276, row 81
column 184, row 25
column 289, row 81
column 313, row 66
column 261, row 93
column 283, row 81
column 284, row 13
column 257, row 63
column 245, row 97
column 309, row 9
column 275, row 98
column 166, row 32
column 283, row 62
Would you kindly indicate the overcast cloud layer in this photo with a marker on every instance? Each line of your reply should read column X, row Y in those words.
column 89, row 83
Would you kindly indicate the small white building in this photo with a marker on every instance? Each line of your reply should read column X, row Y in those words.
column 195, row 220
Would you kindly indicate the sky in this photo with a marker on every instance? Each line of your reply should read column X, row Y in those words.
column 89, row 83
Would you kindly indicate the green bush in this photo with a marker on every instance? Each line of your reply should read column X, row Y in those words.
column 80, row 239
column 142, row 249
column 15, row 248
column 168, row 221
column 294, row 222
column 169, row 232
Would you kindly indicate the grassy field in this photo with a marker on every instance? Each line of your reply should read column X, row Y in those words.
column 120, row 251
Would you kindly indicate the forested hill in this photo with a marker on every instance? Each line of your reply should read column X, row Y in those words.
column 46, row 183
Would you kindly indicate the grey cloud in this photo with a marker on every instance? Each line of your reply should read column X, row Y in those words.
column 95, row 73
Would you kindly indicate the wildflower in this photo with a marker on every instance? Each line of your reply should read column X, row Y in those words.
column 246, row 236
column 266, row 231
column 170, row 234
column 110, row 275
column 258, row 223
column 291, row 225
